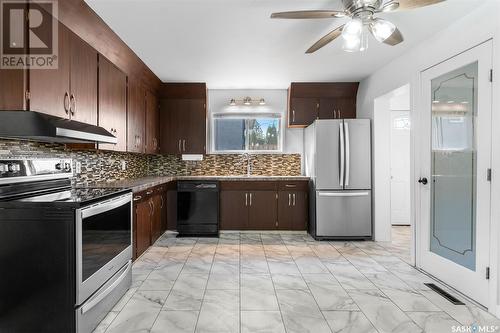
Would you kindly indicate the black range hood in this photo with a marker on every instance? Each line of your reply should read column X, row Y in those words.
column 35, row 126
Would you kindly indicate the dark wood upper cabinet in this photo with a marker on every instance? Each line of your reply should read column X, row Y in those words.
column 83, row 81
column 136, row 116
column 49, row 89
column 310, row 101
column 70, row 91
column 337, row 108
column 303, row 111
column 183, row 118
column 152, row 123
column 113, row 103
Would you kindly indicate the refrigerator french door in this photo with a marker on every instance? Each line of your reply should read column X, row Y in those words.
column 340, row 167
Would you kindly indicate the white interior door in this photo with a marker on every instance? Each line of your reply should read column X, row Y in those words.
column 400, row 168
column 456, row 155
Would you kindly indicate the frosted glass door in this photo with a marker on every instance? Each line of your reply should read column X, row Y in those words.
column 454, row 191
column 453, row 185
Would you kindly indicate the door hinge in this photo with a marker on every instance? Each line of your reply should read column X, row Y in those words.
column 488, row 175
column 276, row 196
column 487, row 273
column 27, row 95
column 491, row 75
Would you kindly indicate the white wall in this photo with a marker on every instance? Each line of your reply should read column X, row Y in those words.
column 276, row 101
column 480, row 25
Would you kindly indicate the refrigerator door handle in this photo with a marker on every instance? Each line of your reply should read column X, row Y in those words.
column 342, row 154
column 347, row 153
column 343, row 194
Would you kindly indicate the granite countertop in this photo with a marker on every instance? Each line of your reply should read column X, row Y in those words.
column 141, row 184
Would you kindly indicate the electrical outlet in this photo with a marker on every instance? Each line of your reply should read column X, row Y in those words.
column 78, row 167
column 124, row 165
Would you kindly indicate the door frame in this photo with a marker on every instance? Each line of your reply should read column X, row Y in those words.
column 418, row 123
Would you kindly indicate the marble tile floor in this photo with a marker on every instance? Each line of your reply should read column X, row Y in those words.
column 282, row 283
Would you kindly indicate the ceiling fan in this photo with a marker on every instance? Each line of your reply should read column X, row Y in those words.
column 363, row 20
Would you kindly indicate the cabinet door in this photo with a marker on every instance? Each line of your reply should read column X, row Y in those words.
column 152, row 123
column 83, row 81
column 143, row 226
column 156, row 203
column 263, row 210
column 347, row 107
column 172, row 124
column 164, row 211
column 194, row 140
column 113, row 103
column 300, row 210
column 285, row 210
column 329, row 108
column 49, row 88
column 234, row 210
column 303, row 111
column 136, row 117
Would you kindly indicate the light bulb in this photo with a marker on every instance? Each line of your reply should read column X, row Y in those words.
column 352, row 29
column 356, row 43
column 382, row 29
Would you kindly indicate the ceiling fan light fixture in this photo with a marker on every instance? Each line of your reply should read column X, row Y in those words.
column 382, row 29
column 353, row 29
column 356, row 43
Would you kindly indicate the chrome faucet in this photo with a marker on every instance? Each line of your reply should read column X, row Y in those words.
column 248, row 157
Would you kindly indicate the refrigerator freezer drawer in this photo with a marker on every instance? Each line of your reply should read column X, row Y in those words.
column 344, row 214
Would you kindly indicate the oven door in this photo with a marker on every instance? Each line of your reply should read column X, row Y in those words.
column 103, row 243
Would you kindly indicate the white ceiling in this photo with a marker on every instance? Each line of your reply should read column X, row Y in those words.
column 234, row 43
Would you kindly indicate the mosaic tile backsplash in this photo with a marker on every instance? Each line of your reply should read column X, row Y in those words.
column 98, row 166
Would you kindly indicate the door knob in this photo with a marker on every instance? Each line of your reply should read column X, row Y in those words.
column 423, row 181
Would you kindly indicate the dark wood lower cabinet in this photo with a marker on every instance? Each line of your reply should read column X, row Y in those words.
column 142, row 230
column 156, row 215
column 293, row 210
column 233, row 210
column 264, row 207
column 262, row 210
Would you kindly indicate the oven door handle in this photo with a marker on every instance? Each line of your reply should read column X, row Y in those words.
column 96, row 299
column 106, row 206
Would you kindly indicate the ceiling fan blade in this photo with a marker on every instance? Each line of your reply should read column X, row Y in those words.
column 412, row 4
column 308, row 14
column 326, row 39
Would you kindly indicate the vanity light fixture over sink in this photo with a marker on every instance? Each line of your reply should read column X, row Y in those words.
column 247, row 101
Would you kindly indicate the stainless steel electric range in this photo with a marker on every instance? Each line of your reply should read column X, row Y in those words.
column 65, row 252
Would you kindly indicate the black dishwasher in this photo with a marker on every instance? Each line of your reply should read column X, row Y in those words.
column 197, row 208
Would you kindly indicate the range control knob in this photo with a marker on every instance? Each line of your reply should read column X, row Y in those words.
column 4, row 168
column 67, row 167
column 58, row 166
column 11, row 167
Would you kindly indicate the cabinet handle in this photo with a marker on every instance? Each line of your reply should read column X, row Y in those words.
column 340, row 114
column 291, row 185
column 246, row 199
column 180, row 150
column 150, row 208
column 289, row 199
column 334, row 114
column 294, row 199
column 161, row 201
column 66, row 102
column 184, row 145
column 138, row 197
column 250, row 199
column 293, row 116
column 72, row 104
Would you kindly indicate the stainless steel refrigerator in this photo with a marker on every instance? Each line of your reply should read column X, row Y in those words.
column 338, row 161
